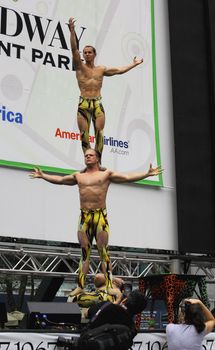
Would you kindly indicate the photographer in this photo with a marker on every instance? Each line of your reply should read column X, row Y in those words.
column 196, row 322
column 111, row 326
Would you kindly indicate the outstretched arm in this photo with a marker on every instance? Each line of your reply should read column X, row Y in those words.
column 121, row 70
column 54, row 179
column 120, row 177
column 73, row 42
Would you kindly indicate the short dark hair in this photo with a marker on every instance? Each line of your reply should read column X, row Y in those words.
column 92, row 47
column 136, row 302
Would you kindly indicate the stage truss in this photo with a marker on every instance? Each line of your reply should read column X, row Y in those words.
column 64, row 262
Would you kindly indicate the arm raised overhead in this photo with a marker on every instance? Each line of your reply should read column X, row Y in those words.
column 73, row 42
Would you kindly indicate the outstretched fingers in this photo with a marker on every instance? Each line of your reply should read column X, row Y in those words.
column 137, row 60
column 160, row 169
column 36, row 173
column 155, row 171
column 72, row 23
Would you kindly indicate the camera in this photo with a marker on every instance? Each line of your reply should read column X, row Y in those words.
column 68, row 343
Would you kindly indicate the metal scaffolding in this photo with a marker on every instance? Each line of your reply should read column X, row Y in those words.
column 39, row 260
column 64, row 262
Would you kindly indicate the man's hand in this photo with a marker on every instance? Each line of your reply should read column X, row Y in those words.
column 72, row 24
column 154, row 171
column 137, row 61
column 37, row 173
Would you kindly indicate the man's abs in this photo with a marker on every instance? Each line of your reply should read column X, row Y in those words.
column 90, row 84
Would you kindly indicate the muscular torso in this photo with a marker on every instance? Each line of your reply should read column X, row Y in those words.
column 93, row 189
column 90, row 80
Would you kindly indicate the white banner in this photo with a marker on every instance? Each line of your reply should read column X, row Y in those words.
column 39, row 92
column 44, row 341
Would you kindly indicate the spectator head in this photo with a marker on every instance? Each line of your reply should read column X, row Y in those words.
column 193, row 315
column 136, row 302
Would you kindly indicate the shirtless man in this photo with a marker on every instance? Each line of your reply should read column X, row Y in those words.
column 93, row 186
column 101, row 293
column 90, row 78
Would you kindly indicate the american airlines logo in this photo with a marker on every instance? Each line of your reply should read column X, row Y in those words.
column 75, row 136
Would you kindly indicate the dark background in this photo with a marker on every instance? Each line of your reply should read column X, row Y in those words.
column 192, row 45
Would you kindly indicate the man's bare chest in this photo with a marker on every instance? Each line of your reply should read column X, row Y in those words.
column 92, row 180
column 95, row 74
